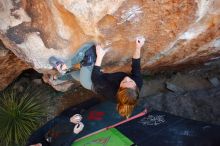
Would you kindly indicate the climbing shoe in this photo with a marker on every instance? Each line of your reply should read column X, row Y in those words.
column 90, row 57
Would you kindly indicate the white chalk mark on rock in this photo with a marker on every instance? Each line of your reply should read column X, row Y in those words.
column 204, row 6
column 131, row 14
column 152, row 120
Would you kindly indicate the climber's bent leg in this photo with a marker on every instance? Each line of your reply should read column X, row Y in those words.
column 78, row 56
column 85, row 77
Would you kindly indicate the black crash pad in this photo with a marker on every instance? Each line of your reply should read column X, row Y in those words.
column 162, row 129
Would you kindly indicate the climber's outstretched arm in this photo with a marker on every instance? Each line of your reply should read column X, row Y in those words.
column 139, row 44
column 136, row 67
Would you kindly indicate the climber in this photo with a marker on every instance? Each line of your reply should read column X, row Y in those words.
column 121, row 85
column 118, row 85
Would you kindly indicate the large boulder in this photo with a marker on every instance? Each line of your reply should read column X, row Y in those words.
column 178, row 32
column 10, row 66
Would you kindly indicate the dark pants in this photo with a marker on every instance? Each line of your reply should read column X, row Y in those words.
column 39, row 135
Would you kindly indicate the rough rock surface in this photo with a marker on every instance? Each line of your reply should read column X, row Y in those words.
column 10, row 66
column 178, row 32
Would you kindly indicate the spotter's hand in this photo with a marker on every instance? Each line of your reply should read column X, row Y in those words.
column 78, row 128
column 76, row 118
